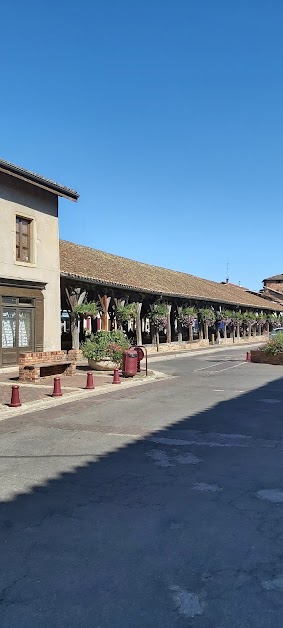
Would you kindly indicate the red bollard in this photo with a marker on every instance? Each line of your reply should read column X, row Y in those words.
column 248, row 356
column 15, row 397
column 57, row 388
column 116, row 378
column 89, row 382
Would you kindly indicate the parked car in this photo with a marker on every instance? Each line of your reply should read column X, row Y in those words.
column 277, row 330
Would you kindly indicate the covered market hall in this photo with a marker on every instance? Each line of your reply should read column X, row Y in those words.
column 223, row 312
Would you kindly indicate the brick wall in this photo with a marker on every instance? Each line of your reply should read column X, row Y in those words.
column 260, row 357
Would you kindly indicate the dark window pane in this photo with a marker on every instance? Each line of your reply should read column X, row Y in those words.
column 9, row 300
column 26, row 300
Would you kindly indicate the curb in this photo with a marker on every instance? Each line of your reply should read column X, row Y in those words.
column 189, row 353
column 36, row 406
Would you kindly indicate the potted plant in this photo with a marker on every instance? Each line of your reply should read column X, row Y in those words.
column 104, row 350
column 187, row 318
column 87, row 309
column 158, row 318
column 207, row 317
column 126, row 313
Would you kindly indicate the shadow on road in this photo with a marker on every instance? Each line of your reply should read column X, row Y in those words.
column 171, row 530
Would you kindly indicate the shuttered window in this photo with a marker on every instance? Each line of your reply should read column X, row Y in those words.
column 23, row 239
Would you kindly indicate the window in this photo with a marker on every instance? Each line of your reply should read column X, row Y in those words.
column 23, row 237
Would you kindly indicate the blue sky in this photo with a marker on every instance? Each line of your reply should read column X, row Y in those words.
column 165, row 115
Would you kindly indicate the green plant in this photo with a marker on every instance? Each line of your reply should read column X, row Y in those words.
column 274, row 346
column 126, row 313
column 87, row 309
column 105, row 344
column 158, row 315
column 225, row 316
column 207, row 315
column 188, row 316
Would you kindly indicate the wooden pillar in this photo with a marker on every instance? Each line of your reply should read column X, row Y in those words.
column 75, row 296
column 191, row 337
column 104, row 300
column 225, row 331
column 179, row 311
column 138, row 323
column 169, row 333
column 238, row 331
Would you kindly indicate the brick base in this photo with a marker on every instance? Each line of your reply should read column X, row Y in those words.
column 75, row 355
column 260, row 357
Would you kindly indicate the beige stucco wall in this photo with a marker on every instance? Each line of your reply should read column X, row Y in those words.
column 21, row 198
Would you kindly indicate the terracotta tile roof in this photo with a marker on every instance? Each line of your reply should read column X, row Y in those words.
column 274, row 278
column 82, row 262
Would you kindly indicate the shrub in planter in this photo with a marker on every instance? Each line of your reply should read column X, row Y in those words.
column 274, row 346
column 106, row 345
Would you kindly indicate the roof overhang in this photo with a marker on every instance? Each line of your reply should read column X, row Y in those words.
column 38, row 180
column 99, row 282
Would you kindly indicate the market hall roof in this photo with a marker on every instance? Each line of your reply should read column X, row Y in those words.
column 87, row 264
column 274, row 278
column 36, row 179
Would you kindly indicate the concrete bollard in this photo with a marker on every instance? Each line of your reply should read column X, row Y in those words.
column 15, row 397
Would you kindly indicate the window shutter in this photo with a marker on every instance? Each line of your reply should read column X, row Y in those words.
column 39, row 324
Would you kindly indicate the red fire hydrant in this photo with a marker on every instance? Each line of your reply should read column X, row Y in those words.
column 130, row 363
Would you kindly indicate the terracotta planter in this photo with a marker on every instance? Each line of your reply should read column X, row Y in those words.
column 102, row 365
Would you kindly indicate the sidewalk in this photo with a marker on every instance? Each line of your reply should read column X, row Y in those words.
column 38, row 395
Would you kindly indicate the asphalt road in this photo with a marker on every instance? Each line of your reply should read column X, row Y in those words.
column 158, row 507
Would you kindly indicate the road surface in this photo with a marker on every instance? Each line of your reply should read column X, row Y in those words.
column 160, row 506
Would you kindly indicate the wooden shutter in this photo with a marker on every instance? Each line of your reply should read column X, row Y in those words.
column 39, row 324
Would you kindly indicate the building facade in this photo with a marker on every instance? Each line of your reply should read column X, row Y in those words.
column 29, row 262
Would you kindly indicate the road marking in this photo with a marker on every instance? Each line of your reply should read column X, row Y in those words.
column 270, row 400
column 273, row 585
column 272, row 495
column 187, row 604
column 204, row 368
column 206, row 488
column 226, row 369
column 219, row 390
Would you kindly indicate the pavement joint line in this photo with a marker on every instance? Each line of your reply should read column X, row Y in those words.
column 40, row 404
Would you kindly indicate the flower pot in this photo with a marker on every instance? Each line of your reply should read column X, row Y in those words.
column 102, row 365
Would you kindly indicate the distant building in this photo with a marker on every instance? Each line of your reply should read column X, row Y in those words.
column 273, row 289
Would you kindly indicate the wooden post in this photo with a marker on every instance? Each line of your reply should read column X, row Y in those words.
column 225, row 331
column 119, row 302
column 191, row 337
column 180, row 335
column 238, row 331
column 75, row 296
column 169, row 335
column 138, row 323
column 200, row 330
column 104, row 300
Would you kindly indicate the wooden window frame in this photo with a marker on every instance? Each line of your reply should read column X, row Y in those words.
column 21, row 257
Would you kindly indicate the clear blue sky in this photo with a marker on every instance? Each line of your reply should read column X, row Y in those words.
column 165, row 115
